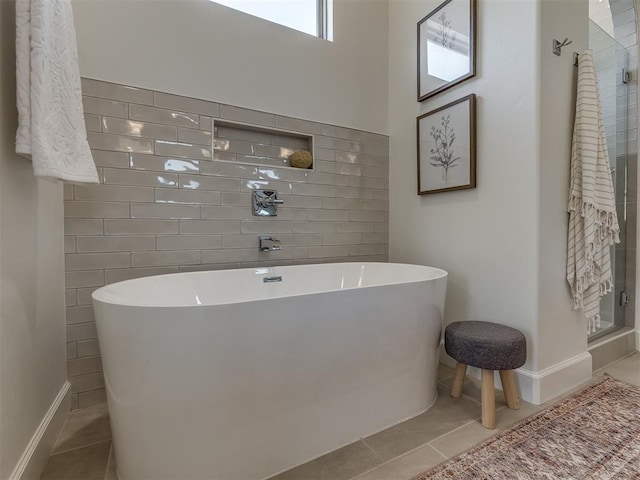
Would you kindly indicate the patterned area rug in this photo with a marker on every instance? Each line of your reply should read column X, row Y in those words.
column 592, row 435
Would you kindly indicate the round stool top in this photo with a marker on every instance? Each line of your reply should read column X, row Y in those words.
column 485, row 345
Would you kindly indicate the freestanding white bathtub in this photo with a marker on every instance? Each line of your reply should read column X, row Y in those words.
column 220, row 375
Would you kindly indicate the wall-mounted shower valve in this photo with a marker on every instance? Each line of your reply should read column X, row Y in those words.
column 265, row 203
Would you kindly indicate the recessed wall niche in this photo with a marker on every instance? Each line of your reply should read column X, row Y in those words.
column 249, row 144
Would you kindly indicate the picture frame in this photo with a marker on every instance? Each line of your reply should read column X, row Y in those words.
column 446, row 47
column 446, row 139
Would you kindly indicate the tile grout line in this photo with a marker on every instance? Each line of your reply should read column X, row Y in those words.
column 429, row 444
column 479, row 402
column 372, row 450
column 439, row 452
column 464, row 395
column 608, row 365
column 454, row 430
column 66, row 421
column 109, row 459
column 396, row 458
column 92, row 444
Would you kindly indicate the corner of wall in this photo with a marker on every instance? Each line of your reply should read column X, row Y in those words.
column 34, row 392
column 36, row 454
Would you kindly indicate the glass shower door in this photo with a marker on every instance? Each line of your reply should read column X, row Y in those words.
column 611, row 61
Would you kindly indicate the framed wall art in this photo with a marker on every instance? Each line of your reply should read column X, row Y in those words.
column 447, row 147
column 446, row 47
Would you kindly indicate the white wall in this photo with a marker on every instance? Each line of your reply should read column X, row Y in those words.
column 504, row 243
column 561, row 330
column 485, row 238
column 32, row 335
column 202, row 49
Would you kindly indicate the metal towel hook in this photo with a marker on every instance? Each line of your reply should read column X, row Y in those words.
column 557, row 45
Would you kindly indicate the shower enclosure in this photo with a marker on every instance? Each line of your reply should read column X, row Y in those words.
column 619, row 109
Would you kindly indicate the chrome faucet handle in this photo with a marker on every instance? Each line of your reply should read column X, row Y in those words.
column 267, row 202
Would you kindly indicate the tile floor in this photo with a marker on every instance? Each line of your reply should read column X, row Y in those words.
column 83, row 451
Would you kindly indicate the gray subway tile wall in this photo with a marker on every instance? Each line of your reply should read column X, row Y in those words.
column 176, row 176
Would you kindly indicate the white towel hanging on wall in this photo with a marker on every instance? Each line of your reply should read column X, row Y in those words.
column 593, row 222
column 51, row 127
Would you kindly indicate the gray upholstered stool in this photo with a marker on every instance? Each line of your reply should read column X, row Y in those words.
column 488, row 346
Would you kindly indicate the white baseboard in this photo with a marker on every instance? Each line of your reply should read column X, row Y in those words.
column 35, row 456
column 538, row 387
column 638, row 340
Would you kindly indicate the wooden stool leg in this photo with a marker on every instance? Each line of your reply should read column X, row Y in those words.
column 488, row 400
column 509, row 388
column 458, row 379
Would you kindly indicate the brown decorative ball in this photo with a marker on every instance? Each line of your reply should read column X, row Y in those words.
column 301, row 159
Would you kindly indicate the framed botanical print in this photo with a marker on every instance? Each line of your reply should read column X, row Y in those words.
column 447, row 147
column 446, row 47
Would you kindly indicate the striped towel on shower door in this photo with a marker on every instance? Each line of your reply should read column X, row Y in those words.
column 593, row 222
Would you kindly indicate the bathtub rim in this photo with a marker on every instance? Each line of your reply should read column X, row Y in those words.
column 96, row 295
